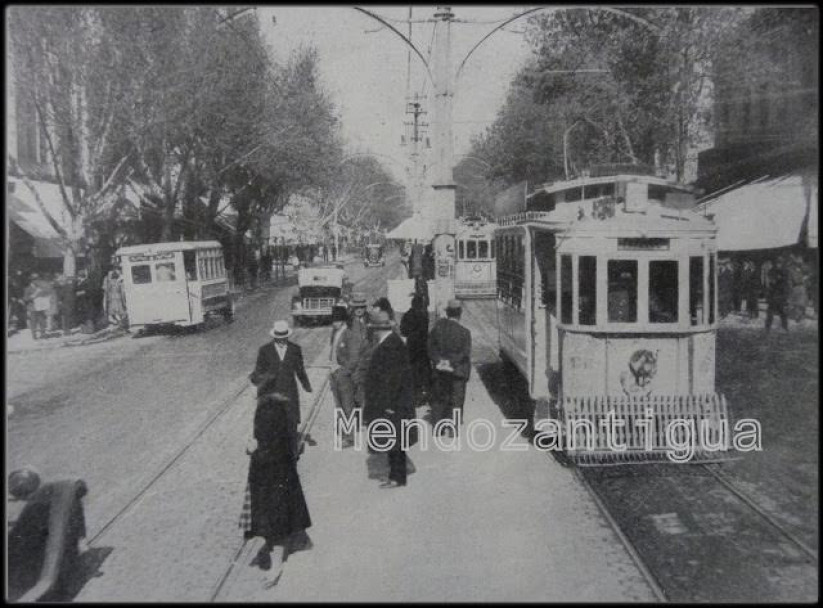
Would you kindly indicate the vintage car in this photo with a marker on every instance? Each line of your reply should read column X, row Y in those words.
column 373, row 255
column 320, row 287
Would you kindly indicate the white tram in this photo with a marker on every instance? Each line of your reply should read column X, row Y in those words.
column 475, row 269
column 607, row 302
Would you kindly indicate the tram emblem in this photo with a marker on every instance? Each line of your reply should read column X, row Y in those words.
column 642, row 369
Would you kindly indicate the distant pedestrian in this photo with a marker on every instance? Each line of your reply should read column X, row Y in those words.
column 415, row 327
column 38, row 303
column 778, row 295
column 416, row 265
column 385, row 305
column 275, row 507
column 725, row 287
column 114, row 298
column 751, row 288
column 798, row 294
column 279, row 366
column 450, row 346
column 341, row 382
column 389, row 392
column 428, row 262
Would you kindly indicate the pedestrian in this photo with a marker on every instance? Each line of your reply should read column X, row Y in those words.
column 751, row 287
column 725, row 286
column 404, row 259
column 777, row 295
column 252, row 267
column 738, row 285
column 428, row 262
column 114, row 298
column 384, row 305
column 279, row 367
column 416, row 261
column 415, row 327
column 798, row 295
column 38, row 302
column 275, row 507
column 389, row 393
column 46, row 537
column 450, row 347
column 353, row 350
column 341, row 382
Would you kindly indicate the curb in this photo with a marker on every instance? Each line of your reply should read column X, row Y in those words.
column 70, row 343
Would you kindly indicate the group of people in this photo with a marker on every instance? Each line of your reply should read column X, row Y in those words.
column 783, row 281
column 383, row 368
column 418, row 261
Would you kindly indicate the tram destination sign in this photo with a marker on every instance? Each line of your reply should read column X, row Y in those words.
column 640, row 244
column 150, row 257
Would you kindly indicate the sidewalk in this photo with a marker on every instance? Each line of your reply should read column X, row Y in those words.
column 470, row 526
column 22, row 341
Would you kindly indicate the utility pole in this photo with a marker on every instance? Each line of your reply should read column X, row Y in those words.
column 441, row 206
column 415, row 129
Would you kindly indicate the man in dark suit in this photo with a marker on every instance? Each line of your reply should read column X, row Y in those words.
column 389, row 391
column 450, row 348
column 279, row 366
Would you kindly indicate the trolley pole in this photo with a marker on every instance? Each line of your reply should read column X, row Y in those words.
column 441, row 206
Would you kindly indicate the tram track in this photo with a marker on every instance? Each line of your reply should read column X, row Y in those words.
column 224, row 405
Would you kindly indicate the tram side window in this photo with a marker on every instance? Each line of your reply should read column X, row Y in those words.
column 483, row 250
column 189, row 263
column 221, row 267
column 711, row 288
column 471, row 250
column 461, row 252
column 140, row 275
column 165, row 271
column 494, row 248
column 622, row 294
column 566, row 289
column 663, row 282
column 587, row 290
column 696, row 290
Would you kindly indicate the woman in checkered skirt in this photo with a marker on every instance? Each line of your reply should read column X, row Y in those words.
column 275, row 507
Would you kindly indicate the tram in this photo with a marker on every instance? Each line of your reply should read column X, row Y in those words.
column 607, row 302
column 178, row 283
column 475, row 268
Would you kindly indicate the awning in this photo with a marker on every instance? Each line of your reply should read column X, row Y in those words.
column 24, row 211
column 414, row 227
column 765, row 214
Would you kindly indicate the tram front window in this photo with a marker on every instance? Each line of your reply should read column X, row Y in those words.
column 471, row 250
column 484, row 249
column 587, row 290
column 566, row 289
column 696, row 290
column 622, row 294
column 663, row 284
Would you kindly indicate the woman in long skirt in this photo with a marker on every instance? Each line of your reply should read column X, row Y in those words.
column 277, row 509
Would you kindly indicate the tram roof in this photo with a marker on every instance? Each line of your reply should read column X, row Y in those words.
column 653, row 219
column 551, row 187
column 171, row 246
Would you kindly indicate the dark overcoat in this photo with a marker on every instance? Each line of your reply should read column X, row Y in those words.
column 450, row 340
column 278, row 506
column 389, row 384
column 272, row 375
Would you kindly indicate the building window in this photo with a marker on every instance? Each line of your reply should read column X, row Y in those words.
column 622, row 293
column 663, row 291
column 696, row 290
column 587, row 290
column 566, row 289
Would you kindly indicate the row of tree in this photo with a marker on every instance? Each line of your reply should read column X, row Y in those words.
column 182, row 108
column 630, row 86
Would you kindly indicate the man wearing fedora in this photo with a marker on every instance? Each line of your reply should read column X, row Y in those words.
column 352, row 350
column 450, row 348
column 279, row 366
column 389, row 390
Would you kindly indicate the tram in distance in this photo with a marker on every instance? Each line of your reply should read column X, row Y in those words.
column 475, row 269
column 607, row 302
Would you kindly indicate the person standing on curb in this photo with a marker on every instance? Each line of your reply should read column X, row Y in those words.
column 450, row 347
column 340, row 378
column 389, row 392
column 279, row 366
column 274, row 507
column 778, row 295
column 415, row 327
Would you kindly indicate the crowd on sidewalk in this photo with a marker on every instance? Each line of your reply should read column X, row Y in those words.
column 380, row 367
column 784, row 281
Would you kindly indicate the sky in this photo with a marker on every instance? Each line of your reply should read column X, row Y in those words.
column 363, row 67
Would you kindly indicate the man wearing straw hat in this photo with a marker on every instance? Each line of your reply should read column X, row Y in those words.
column 279, row 366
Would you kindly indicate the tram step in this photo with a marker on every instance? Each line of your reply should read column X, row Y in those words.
column 601, row 429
